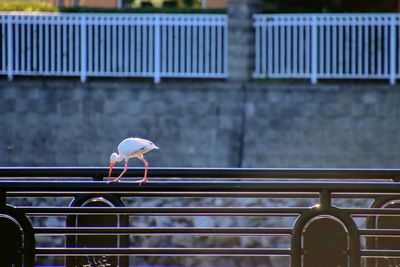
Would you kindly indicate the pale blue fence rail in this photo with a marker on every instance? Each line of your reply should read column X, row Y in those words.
column 327, row 46
column 114, row 45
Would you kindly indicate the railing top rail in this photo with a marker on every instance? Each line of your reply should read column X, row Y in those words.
column 124, row 19
column 36, row 14
column 229, row 173
column 375, row 15
column 325, row 19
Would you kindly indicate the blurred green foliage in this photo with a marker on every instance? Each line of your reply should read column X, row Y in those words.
column 162, row 3
column 332, row 6
column 130, row 6
column 26, row 6
column 146, row 9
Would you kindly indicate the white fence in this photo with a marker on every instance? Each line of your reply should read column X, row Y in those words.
column 315, row 46
column 146, row 45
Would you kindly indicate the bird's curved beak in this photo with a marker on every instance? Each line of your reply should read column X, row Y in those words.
column 111, row 167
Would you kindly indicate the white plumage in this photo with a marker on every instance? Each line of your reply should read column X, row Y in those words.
column 131, row 148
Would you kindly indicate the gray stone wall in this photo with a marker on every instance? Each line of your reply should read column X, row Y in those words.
column 200, row 124
column 241, row 38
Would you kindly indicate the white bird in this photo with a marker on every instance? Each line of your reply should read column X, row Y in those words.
column 131, row 148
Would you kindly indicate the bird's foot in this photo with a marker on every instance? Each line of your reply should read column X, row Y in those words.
column 116, row 180
column 142, row 181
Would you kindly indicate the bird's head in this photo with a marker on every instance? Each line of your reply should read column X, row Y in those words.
column 113, row 158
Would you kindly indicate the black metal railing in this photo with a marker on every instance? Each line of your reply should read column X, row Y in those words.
column 321, row 217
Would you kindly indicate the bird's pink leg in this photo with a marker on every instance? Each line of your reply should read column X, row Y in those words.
column 116, row 180
column 146, row 167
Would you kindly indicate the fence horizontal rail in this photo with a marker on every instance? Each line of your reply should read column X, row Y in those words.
column 165, row 251
column 165, row 211
column 195, row 211
column 203, row 173
column 380, row 253
column 185, row 187
column 372, row 211
column 210, row 231
column 327, row 46
column 380, row 232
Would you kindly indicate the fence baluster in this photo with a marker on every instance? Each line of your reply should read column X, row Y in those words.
column 10, row 48
column 83, row 49
column 393, row 51
column 314, row 47
column 157, row 58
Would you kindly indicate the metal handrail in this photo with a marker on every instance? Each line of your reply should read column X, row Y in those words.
column 198, row 231
column 229, row 173
column 320, row 185
column 262, row 252
column 187, row 187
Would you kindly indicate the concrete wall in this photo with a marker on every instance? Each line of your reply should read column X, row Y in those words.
column 200, row 124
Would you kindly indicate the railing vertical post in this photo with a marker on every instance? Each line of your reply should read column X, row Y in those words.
column 10, row 49
column 325, row 199
column 314, row 48
column 157, row 45
column 3, row 198
column 393, row 55
column 83, row 49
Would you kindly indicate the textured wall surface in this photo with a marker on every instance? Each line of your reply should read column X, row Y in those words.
column 200, row 124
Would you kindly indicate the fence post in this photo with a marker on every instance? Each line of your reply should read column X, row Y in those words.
column 10, row 49
column 157, row 58
column 314, row 48
column 393, row 56
column 59, row 3
column 226, row 49
column 83, row 49
column 240, row 39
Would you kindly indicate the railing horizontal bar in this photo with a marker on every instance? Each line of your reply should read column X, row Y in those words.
column 165, row 251
column 286, row 173
column 187, row 194
column 197, row 211
column 379, row 232
column 323, row 76
column 207, row 194
column 372, row 211
column 242, row 231
column 177, row 211
column 201, row 186
column 379, row 253
column 320, row 23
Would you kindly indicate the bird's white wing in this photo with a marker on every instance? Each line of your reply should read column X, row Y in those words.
column 129, row 146
column 143, row 142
